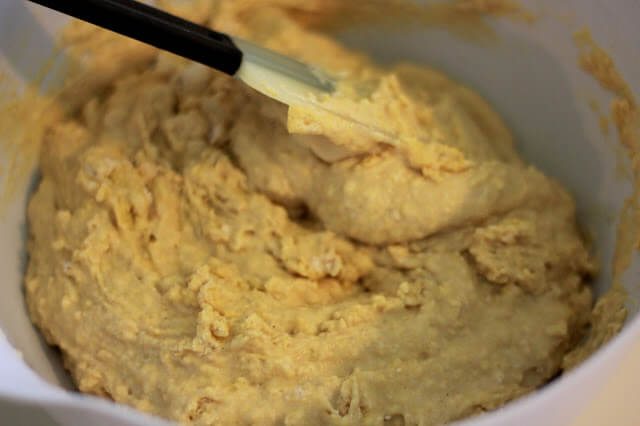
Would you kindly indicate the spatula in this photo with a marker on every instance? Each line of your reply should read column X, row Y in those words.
column 277, row 76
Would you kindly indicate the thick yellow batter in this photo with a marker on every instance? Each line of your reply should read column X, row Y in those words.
column 194, row 258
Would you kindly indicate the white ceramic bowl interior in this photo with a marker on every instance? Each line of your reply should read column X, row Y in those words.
column 531, row 76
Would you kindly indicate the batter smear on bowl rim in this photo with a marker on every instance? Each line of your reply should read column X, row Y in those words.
column 201, row 253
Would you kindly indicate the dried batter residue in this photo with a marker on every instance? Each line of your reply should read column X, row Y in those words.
column 20, row 145
column 602, row 118
column 626, row 116
column 609, row 313
column 466, row 19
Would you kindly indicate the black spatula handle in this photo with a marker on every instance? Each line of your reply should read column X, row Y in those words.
column 157, row 28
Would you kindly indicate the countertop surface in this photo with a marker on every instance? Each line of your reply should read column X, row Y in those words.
column 15, row 415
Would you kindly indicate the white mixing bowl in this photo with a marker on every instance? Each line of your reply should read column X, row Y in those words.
column 529, row 73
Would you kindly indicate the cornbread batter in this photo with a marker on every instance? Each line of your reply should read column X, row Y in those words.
column 201, row 254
